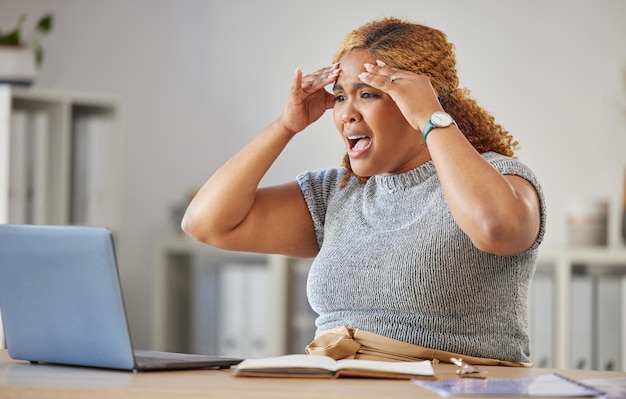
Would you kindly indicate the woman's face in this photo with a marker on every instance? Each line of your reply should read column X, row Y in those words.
column 378, row 138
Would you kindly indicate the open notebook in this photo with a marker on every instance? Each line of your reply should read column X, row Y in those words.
column 61, row 302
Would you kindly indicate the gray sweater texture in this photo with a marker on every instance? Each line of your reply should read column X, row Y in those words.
column 394, row 262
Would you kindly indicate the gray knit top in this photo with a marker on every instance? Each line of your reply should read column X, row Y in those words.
column 394, row 262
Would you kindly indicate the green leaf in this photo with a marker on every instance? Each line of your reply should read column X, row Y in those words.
column 45, row 24
column 12, row 37
column 15, row 36
column 39, row 55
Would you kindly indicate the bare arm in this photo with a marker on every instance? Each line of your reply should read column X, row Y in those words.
column 500, row 213
column 231, row 212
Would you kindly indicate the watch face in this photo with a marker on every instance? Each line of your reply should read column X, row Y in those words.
column 441, row 119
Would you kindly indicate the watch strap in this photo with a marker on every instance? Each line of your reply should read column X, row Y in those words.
column 427, row 128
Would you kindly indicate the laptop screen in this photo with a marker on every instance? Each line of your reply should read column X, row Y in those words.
column 60, row 296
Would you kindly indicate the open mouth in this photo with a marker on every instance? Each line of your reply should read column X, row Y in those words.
column 359, row 143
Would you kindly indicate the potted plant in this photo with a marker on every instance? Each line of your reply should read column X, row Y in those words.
column 21, row 55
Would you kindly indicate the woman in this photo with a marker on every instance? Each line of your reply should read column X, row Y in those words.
column 426, row 240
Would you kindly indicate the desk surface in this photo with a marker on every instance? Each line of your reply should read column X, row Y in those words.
column 23, row 380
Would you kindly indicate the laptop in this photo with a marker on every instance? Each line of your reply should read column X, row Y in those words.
column 61, row 302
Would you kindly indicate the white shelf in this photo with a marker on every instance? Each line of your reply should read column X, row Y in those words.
column 563, row 261
column 62, row 109
column 176, row 267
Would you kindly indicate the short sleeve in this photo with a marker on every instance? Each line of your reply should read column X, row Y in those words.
column 318, row 188
column 512, row 166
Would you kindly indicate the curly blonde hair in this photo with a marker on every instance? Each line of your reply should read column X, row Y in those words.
column 427, row 51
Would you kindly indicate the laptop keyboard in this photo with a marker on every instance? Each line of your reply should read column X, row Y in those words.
column 149, row 359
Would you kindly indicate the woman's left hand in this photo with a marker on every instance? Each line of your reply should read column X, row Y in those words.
column 414, row 94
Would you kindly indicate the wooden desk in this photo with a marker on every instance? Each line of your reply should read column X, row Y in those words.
column 23, row 380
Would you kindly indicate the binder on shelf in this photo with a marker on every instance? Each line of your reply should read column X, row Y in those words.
column 232, row 314
column 258, row 310
column 542, row 320
column 581, row 319
column 244, row 309
column 92, row 157
column 37, row 168
column 205, row 306
column 623, row 320
column 28, row 166
column 608, row 323
column 301, row 317
column 18, row 175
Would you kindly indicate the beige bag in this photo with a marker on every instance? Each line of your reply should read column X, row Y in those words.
column 352, row 343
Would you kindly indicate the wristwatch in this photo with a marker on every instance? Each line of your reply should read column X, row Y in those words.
column 438, row 119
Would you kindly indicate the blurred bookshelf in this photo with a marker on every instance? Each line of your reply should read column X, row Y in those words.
column 230, row 303
column 578, row 308
column 44, row 172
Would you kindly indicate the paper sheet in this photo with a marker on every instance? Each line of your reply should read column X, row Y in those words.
column 545, row 385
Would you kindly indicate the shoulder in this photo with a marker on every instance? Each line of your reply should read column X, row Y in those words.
column 320, row 182
column 510, row 166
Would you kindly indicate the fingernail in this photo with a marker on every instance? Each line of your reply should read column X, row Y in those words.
column 380, row 63
column 368, row 66
column 363, row 75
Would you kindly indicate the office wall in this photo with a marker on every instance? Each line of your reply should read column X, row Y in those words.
column 199, row 78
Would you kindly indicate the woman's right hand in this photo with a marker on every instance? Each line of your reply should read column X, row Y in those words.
column 308, row 99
